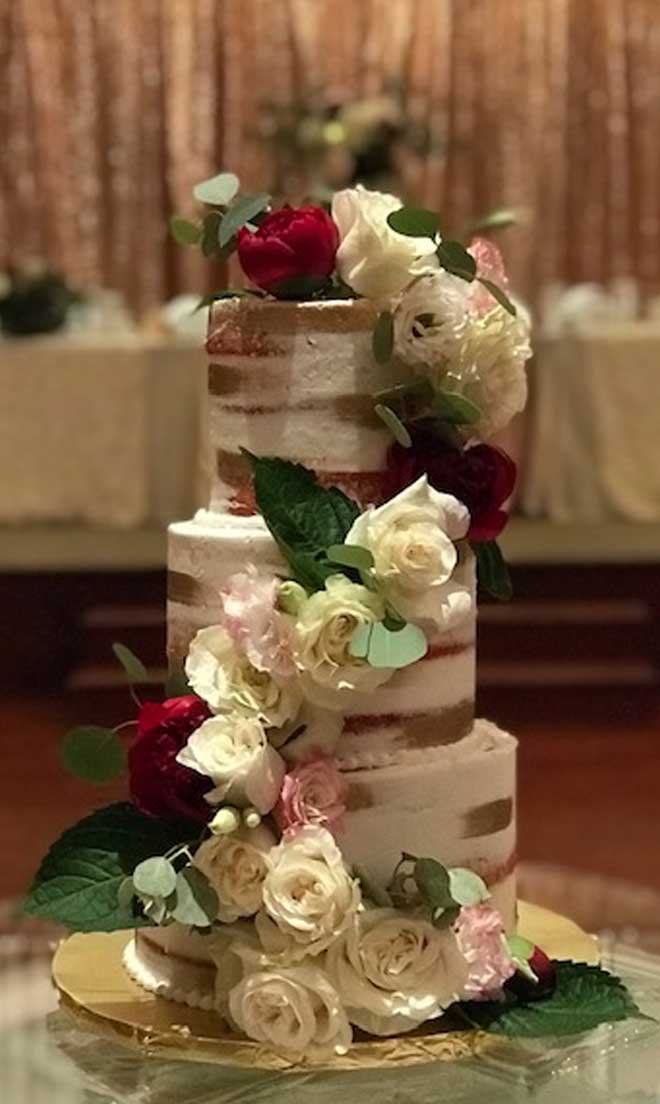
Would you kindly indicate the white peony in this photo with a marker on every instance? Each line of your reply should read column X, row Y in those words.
column 489, row 368
column 373, row 259
column 236, row 866
column 412, row 539
column 294, row 1010
column 233, row 751
column 228, row 682
column 322, row 638
column 308, row 894
column 431, row 320
column 393, row 971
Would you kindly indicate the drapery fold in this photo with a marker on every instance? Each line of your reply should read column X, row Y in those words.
column 110, row 110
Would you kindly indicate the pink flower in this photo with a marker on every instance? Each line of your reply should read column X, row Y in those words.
column 312, row 793
column 254, row 624
column 480, row 934
column 490, row 266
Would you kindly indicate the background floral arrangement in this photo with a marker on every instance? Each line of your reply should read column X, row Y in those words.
column 236, row 798
column 34, row 299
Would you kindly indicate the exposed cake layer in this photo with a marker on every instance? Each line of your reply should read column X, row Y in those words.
column 457, row 806
column 295, row 380
column 427, row 705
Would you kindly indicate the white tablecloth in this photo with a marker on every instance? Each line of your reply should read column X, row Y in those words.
column 99, row 432
column 593, row 448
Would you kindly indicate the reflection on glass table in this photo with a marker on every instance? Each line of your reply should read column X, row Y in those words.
column 50, row 1060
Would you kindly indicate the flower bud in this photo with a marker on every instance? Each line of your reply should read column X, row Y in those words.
column 291, row 597
column 251, row 817
column 225, row 821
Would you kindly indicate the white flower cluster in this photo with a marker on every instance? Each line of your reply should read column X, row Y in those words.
column 445, row 327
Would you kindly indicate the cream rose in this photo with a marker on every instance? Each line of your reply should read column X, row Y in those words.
column 293, row 1010
column 236, row 866
column 431, row 319
column 233, row 751
column 373, row 259
column 393, row 971
column 308, row 894
column 227, row 681
column 322, row 638
column 415, row 560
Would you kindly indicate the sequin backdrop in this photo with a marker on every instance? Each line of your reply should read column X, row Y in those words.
column 111, row 109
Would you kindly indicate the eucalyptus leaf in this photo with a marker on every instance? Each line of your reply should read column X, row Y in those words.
column 455, row 408
column 351, row 555
column 466, row 887
column 499, row 219
column 409, row 401
column 455, row 258
column 125, row 894
column 414, row 222
column 394, row 424
column 396, row 649
column 155, row 909
column 520, row 948
column 239, row 213
column 134, row 667
column 154, row 877
column 499, row 295
column 196, row 899
column 432, row 881
column 218, row 190
column 177, row 685
column 184, row 232
column 210, row 243
column 93, row 753
column 382, row 340
column 360, row 640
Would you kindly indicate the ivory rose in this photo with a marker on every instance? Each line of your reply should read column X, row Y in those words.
column 254, row 624
column 233, row 751
column 373, row 259
column 312, row 793
column 412, row 539
column 480, row 934
column 393, row 970
column 226, row 679
column 323, row 633
column 308, row 894
column 236, row 866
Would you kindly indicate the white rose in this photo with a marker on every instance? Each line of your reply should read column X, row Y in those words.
column 415, row 560
column 431, row 319
column 393, row 971
column 233, row 751
column 308, row 894
column 236, row 866
column 489, row 368
column 293, row 1010
column 373, row 259
column 322, row 639
column 226, row 680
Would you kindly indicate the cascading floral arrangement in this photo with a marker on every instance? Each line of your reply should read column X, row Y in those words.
column 236, row 800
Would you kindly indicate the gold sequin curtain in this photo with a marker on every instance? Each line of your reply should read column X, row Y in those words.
column 111, row 109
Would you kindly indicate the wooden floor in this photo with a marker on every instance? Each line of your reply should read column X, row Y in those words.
column 589, row 780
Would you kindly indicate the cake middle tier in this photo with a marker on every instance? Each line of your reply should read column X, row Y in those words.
column 425, row 706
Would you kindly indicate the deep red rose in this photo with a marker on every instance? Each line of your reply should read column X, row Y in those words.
column 292, row 242
column 482, row 477
column 159, row 785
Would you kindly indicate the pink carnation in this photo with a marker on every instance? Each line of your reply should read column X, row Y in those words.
column 312, row 793
column 490, row 266
column 254, row 624
column 480, row 933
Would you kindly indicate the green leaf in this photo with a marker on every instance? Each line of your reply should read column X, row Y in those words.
column 584, row 997
column 78, row 882
column 126, row 894
column 414, row 222
column 455, row 258
column 396, row 649
column 196, row 899
column 492, row 571
column 455, row 408
column 218, row 190
column 520, row 948
column 382, row 339
column 351, row 555
column 177, row 685
column 466, row 887
column 432, row 881
column 93, row 753
column 239, row 213
column 154, row 877
column 184, row 232
column 360, row 640
column 394, row 424
column 304, row 517
column 409, row 401
column 210, row 243
column 499, row 219
column 497, row 293
column 301, row 287
column 134, row 667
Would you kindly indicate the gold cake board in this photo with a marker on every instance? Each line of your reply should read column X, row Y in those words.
column 93, row 985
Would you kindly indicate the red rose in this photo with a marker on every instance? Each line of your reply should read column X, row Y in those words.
column 482, row 477
column 159, row 785
column 292, row 242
